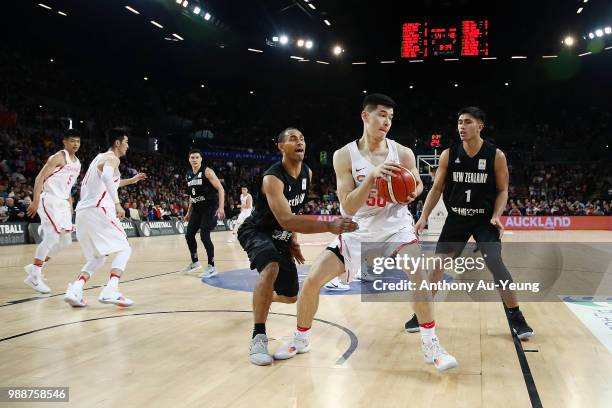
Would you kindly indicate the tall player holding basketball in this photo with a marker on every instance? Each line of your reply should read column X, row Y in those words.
column 97, row 222
column 53, row 203
column 268, row 235
column 473, row 176
column 357, row 166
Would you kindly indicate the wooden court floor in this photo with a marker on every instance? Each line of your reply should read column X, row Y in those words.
column 185, row 343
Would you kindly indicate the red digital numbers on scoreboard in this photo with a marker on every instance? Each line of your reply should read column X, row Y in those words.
column 435, row 140
column 474, row 42
column 414, row 43
column 448, row 40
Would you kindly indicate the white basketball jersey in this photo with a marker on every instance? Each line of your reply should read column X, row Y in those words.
column 376, row 214
column 60, row 182
column 93, row 189
column 243, row 202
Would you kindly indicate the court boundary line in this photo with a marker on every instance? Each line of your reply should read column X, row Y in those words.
column 532, row 389
column 341, row 360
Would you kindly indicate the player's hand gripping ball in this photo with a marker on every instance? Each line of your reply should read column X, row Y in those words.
column 397, row 188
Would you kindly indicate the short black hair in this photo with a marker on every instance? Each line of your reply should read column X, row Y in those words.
column 473, row 111
column 371, row 101
column 282, row 136
column 194, row 151
column 71, row 133
column 116, row 135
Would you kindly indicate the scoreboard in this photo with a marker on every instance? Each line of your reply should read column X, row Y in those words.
column 466, row 38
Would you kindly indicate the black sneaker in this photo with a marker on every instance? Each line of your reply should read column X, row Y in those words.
column 412, row 325
column 520, row 326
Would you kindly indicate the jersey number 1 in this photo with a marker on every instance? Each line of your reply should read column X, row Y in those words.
column 468, row 193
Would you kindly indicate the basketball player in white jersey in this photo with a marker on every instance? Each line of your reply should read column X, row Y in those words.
column 357, row 166
column 53, row 203
column 97, row 223
column 246, row 207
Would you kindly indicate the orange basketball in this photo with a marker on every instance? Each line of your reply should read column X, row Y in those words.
column 398, row 188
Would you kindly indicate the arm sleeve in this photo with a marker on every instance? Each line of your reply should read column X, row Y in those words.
column 107, row 179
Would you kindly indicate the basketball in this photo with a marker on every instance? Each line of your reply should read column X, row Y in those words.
column 397, row 188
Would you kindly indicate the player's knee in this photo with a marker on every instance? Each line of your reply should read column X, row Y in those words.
column 269, row 273
column 291, row 299
column 122, row 258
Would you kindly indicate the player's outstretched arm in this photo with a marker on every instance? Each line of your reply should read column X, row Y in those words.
column 407, row 160
column 52, row 163
column 272, row 187
column 351, row 197
column 132, row 180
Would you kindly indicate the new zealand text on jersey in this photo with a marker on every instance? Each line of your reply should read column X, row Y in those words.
column 466, row 177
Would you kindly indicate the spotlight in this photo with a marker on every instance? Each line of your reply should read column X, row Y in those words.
column 185, row 3
column 207, row 16
column 591, row 36
column 309, row 43
column 456, row 85
column 179, row 1
column 364, row 91
column 507, row 84
column 300, row 43
column 338, row 50
column 275, row 38
column 599, row 32
column 284, row 39
column 608, row 30
column 196, row 10
column 569, row 41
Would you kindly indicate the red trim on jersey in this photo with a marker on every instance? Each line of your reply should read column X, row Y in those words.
column 58, row 168
column 49, row 216
column 100, row 200
column 113, row 222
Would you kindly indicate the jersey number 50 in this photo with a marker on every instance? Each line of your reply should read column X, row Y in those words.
column 376, row 200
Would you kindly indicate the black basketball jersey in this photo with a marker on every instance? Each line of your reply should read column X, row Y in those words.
column 201, row 190
column 295, row 191
column 470, row 187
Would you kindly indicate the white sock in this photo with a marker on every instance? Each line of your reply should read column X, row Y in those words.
column 36, row 270
column 428, row 334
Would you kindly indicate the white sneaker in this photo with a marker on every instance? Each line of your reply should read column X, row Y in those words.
column 74, row 296
column 35, row 280
column 258, row 351
column 299, row 344
column 192, row 267
column 337, row 285
column 434, row 353
column 209, row 272
column 114, row 297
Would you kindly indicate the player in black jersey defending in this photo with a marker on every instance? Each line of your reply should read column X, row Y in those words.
column 268, row 235
column 207, row 198
column 473, row 176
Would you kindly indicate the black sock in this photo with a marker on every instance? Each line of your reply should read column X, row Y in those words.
column 194, row 257
column 513, row 310
column 259, row 328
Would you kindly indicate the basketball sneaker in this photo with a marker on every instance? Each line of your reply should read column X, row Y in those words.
column 192, row 267
column 114, row 297
column 412, row 325
column 35, row 280
column 74, row 296
column 299, row 344
column 520, row 326
column 209, row 272
column 337, row 285
column 434, row 353
column 258, row 352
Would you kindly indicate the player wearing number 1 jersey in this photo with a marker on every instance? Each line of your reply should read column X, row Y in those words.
column 357, row 166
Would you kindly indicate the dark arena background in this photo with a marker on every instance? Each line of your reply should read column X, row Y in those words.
column 226, row 77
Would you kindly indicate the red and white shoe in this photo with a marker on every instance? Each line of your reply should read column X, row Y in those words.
column 74, row 296
column 114, row 297
column 434, row 353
